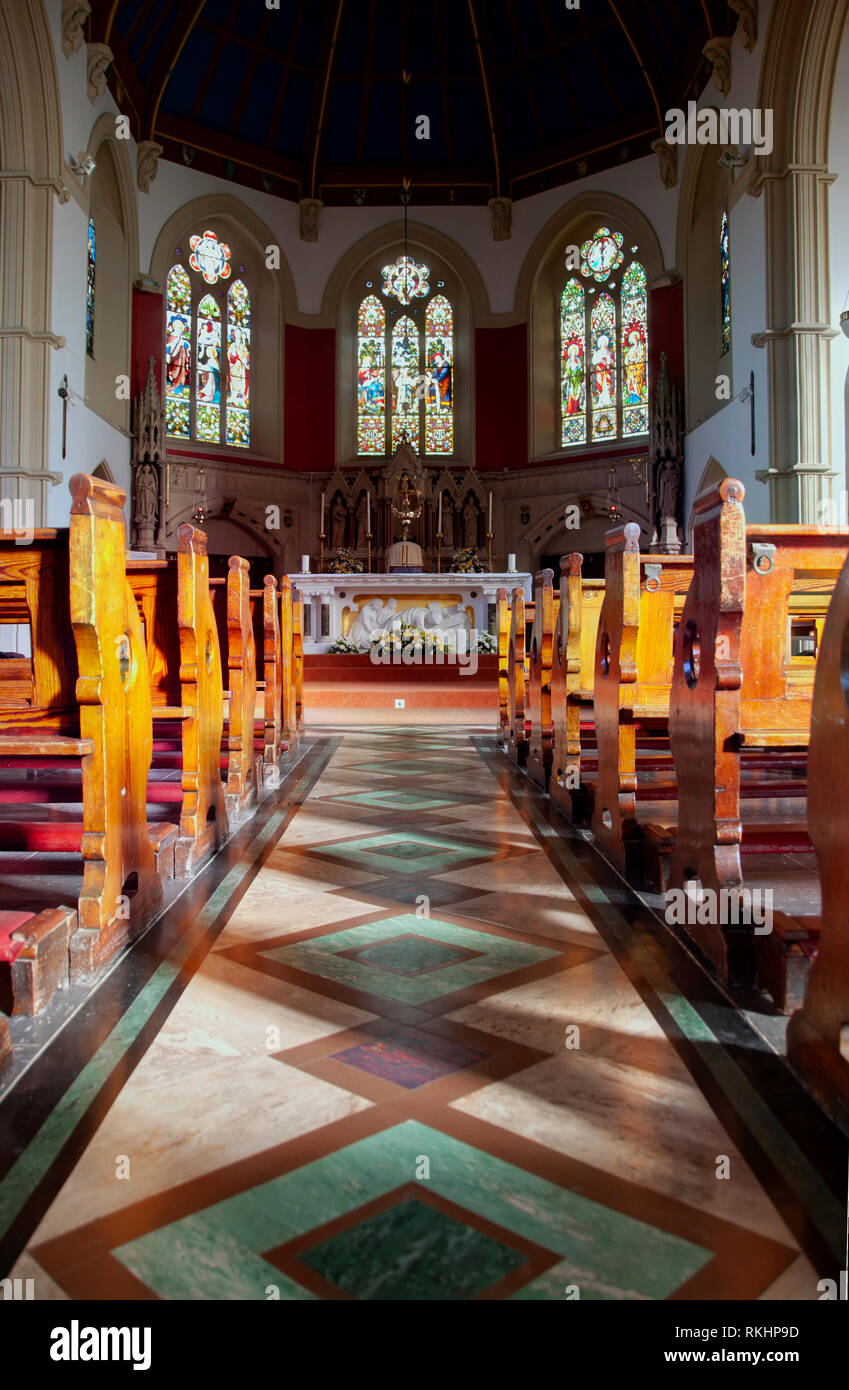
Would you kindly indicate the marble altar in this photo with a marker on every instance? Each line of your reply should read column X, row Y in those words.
column 340, row 603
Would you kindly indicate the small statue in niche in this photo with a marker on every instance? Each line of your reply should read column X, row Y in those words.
column 448, row 519
column 338, row 523
column 668, row 488
column 471, row 520
column 147, row 490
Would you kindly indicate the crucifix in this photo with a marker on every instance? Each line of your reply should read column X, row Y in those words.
column 64, row 393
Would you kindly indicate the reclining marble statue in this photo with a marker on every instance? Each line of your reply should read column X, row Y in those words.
column 378, row 618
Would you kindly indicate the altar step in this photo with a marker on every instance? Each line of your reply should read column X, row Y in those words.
column 353, row 689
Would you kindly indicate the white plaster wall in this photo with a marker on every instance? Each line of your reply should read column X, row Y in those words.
column 91, row 439
column 838, row 163
column 339, row 228
column 726, row 435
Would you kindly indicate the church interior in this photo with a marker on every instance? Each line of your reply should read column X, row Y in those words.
column 424, row 662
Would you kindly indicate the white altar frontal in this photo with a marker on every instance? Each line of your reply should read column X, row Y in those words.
column 334, row 604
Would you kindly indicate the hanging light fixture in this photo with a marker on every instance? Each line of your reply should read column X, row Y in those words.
column 613, row 508
column 406, row 500
column 200, row 512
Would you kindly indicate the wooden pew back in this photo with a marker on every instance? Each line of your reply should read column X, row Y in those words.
column 289, row 723
column 540, row 659
column 737, row 683
column 154, row 585
column 203, row 822
column 818, row 1036
column 521, row 614
column 298, row 653
column 113, row 691
column 273, row 673
column 502, row 628
column 566, row 684
column 241, row 673
column 37, row 691
column 633, row 674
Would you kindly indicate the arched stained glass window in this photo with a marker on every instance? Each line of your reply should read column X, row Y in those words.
column 178, row 353
column 604, row 367
column 635, row 398
column 89, row 296
column 405, row 382
column 371, row 377
column 421, row 367
column 573, row 372
column 213, row 403
column 725, row 283
column 439, row 365
column 238, row 365
column 208, row 366
column 604, row 346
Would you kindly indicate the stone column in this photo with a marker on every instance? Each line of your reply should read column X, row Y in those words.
column 797, row 342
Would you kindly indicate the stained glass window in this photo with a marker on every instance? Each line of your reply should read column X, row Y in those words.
column 603, row 340
column 406, row 280
column 405, row 383
column 633, row 304
column 725, row 283
column 211, row 403
column 604, row 347
column 210, row 257
column 439, row 363
column 371, row 377
column 89, row 298
column 238, row 365
column 573, row 373
column 601, row 254
column 420, row 360
column 178, row 353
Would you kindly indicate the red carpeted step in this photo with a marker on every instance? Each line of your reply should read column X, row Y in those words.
column 10, row 921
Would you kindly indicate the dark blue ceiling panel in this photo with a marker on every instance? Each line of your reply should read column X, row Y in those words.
column 563, row 84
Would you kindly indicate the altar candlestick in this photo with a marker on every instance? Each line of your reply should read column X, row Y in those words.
column 439, row 519
column 368, row 511
column 489, row 527
column 321, row 527
column 305, row 564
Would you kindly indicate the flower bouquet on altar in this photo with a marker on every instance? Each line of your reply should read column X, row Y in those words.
column 342, row 647
column 414, row 639
column 467, row 561
column 346, row 562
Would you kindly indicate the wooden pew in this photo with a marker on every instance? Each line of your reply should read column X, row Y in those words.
column 289, row 718
column 572, row 679
column 298, row 654
column 5, row 1046
column 818, row 1034
column 203, row 819
column 272, row 677
column 522, row 613
column 244, row 769
column 739, row 687
column 502, row 627
column 114, row 697
column 540, row 735
column 633, row 678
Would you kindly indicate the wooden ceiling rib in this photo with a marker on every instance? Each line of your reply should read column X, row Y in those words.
column 475, row 61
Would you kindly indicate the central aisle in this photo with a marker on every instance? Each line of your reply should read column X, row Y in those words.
column 408, row 1066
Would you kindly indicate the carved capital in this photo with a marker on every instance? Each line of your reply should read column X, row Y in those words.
column 74, row 15
column 718, row 51
column 747, row 22
column 147, row 163
column 667, row 158
column 98, row 56
column 502, row 218
column 309, row 209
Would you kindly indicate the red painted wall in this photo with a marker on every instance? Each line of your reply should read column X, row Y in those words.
column 666, row 333
column 147, row 337
column 501, row 397
column 310, row 400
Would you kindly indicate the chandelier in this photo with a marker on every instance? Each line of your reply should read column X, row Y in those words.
column 200, row 511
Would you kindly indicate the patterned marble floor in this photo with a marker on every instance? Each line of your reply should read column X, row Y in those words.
column 412, row 1046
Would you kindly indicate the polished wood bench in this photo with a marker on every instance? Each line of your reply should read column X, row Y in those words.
column 540, row 729
column 572, row 684
column 521, row 615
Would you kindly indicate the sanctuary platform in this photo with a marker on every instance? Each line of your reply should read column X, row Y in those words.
column 333, row 602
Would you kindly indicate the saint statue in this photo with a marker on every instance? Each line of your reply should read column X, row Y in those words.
column 668, row 487
column 470, row 525
column 448, row 519
column 338, row 523
column 147, row 495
